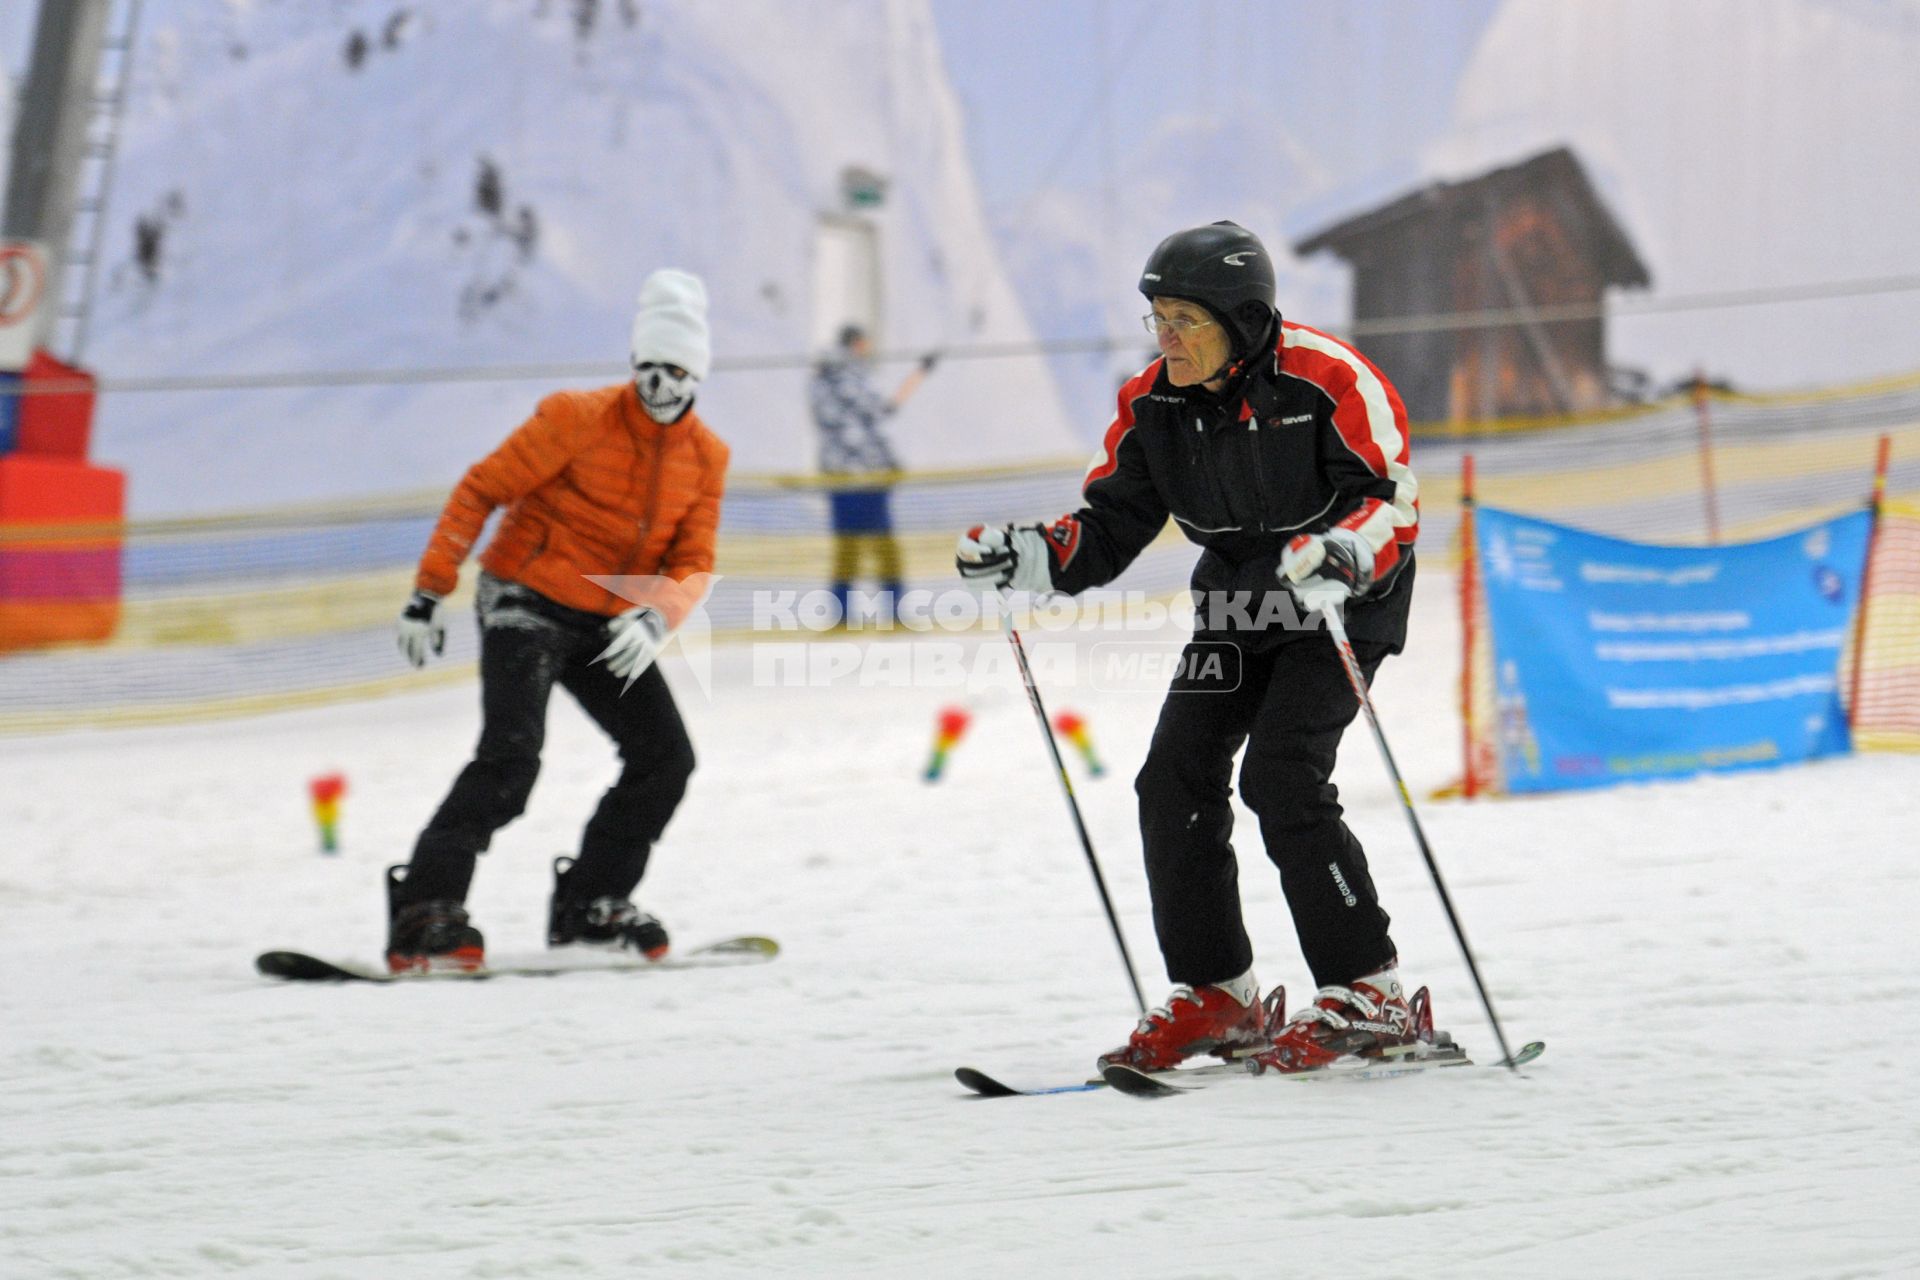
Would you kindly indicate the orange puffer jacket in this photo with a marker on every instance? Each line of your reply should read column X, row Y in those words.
column 592, row 485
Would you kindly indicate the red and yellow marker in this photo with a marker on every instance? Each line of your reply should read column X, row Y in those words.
column 326, row 791
column 1074, row 729
column 949, row 728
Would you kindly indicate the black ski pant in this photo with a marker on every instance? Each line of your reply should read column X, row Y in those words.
column 1289, row 706
column 528, row 644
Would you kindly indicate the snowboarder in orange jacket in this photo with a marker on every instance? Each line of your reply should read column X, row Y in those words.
column 623, row 483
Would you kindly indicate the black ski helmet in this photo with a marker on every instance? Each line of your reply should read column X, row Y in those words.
column 1223, row 267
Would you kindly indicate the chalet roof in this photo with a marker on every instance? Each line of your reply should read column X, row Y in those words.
column 1557, row 173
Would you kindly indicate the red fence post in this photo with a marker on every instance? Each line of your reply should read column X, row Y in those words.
column 1471, row 783
column 1878, row 500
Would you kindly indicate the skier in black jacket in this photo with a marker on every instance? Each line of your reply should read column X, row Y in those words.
column 1283, row 452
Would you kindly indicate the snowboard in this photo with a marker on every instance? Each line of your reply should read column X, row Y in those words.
column 297, row 966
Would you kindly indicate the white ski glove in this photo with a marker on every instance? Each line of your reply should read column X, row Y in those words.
column 635, row 640
column 1008, row 557
column 421, row 629
column 1327, row 568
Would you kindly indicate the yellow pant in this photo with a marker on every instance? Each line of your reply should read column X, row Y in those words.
column 850, row 549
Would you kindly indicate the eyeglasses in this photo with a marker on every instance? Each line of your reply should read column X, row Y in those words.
column 1178, row 326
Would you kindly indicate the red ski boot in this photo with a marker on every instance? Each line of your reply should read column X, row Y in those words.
column 1370, row 1019
column 1197, row 1020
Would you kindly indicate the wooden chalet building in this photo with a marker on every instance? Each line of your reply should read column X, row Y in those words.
column 1532, row 241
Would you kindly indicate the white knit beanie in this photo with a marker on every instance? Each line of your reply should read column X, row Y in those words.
column 671, row 327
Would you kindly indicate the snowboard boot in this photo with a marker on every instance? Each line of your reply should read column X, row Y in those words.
column 1372, row 1018
column 600, row 922
column 431, row 935
column 1227, row 1021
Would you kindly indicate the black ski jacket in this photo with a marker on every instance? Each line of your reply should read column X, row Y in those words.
column 1311, row 437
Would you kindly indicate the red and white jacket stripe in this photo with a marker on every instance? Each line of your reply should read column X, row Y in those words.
column 1372, row 424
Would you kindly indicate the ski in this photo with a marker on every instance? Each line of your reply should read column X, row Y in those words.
column 296, row 966
column 1139, row 1084
column 987, row 1086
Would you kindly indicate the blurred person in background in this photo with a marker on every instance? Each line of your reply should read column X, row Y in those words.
column 622, row 481
column 848, row 411
column 1283, row 452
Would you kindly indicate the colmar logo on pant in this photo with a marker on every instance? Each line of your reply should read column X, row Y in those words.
column 1340, row 881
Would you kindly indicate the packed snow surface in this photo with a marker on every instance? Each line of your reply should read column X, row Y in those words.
column 1717, row 965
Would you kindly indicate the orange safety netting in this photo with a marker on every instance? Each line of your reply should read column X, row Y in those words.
column 1885, row 697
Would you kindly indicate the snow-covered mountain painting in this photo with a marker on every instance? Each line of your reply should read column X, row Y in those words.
column 459, row 186
column 453, row 186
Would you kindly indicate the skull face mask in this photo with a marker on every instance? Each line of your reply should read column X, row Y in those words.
column 666, row 390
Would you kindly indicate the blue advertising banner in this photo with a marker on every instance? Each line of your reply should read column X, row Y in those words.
column 1618, row 660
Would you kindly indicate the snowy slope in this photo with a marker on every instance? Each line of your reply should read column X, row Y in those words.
column 1716, row 965
column 1745, row 144
column 343, row 231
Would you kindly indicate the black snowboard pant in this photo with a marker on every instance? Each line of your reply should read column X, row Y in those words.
column 1289, row 706
column 528, row 644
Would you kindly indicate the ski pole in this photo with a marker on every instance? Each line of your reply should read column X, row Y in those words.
column 1338, row 630
column 1073, row 806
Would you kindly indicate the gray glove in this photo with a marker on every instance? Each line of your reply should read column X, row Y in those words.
column 635, row 639
column 1327, row 568
column 421, row 629
column 1008, row 557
